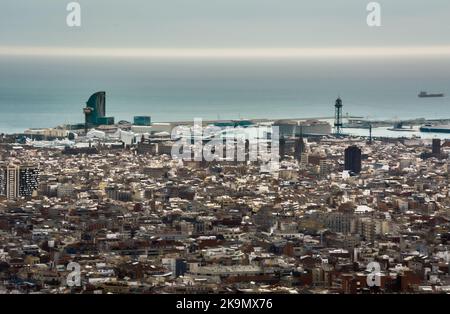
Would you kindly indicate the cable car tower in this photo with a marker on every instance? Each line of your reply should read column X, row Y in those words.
column 338, row 117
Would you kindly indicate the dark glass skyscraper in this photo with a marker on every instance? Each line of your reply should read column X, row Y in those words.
column 353, row 159
column 96, row 107
column 95, row 111
column 282, row 148
column 436, row 146
column 299, row 147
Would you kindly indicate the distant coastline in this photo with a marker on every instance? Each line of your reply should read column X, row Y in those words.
column 380, row 129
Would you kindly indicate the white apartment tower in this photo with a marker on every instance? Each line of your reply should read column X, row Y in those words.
column 18, row 180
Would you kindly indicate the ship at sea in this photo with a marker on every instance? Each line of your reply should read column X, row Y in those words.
column 426, row 95
column 429, row 128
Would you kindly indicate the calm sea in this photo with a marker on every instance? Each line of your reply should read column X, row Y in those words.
column 44, row 92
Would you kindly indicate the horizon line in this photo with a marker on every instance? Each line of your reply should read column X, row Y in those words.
column 229, row 53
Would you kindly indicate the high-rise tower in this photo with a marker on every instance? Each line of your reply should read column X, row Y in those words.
column 18, row 180
column 95, row 111
column 436, row 146
column 96, row 105
column 282, row 147
column 299, row 147
column 352, row 160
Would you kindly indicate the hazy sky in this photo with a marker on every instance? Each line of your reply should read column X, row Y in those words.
column 230, row 24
